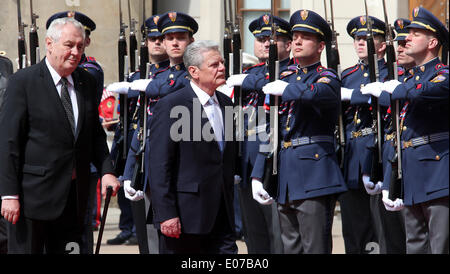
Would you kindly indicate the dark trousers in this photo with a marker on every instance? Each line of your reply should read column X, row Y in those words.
column 126, row 223
column 87, row 239
column 391, row 233
column 358, row 224
column 62, row 235
column 3, row 236
column 261, row 225
column 306, row 225
column 427, row 227
column 221, row 240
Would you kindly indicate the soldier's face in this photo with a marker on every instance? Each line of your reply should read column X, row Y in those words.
column 211, row 74
column 306, row 45
column 402, row 58
column 65, row 54
column 155, row 46
column 175, row 43
column 360, row 45
column 419, row 41
column 262, row 45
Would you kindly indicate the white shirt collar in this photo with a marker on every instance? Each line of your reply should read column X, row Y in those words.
column 55, row 76
column 202, row 95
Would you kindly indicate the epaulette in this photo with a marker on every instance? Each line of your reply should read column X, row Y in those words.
column 286, row 73
column 349, row 71
column 87, row 65
column 323, row 71
column 254, row 66
column 159, row 71
column 90, row 59
column 442, row 69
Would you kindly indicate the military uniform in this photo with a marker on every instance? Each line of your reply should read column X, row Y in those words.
column 424, row 141
column 361, row 221
column 309, row 174
column 261, row 222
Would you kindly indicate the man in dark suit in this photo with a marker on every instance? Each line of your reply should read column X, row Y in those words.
column 50, row 111
column 192, row 175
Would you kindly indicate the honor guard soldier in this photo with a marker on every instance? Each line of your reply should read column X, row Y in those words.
column 159, row 63
column 424, row 137
column 360, row 212
column 178, row 30
column 89, row 64
column 260, row 221
column 308, row 172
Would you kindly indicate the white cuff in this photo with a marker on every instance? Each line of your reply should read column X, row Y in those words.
column 10, row 197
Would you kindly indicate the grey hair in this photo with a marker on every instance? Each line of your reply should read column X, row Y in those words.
column 193, row 56
column 54, row 30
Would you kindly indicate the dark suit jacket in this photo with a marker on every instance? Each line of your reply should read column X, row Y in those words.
column 189, row 178
column 38, row 150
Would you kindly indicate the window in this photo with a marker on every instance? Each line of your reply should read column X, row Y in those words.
column 249, row 10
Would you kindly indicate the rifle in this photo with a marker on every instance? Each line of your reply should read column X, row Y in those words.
column 333, row 61
column 396, row 162
column 445, row 58
column 21, row 39
column 34, row 40
column 227, row 37
column 235, row 59
column 144, row 58
column 270, row 182
column 137, row 181
column 123, row 100
column 376, row 173
column 133, row 41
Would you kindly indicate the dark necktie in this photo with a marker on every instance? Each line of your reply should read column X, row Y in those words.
column 67, row 103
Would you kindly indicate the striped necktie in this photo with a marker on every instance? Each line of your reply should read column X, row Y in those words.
column 67, row 103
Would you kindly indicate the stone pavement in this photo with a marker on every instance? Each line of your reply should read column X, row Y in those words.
column 112, row 229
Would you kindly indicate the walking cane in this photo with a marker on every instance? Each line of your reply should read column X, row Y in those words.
column 102, row 224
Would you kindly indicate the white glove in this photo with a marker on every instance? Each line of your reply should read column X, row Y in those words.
column 374, row 89
column 236, row 80
column 260, row 194
column 131, row 193
column 346, row 94
column 371, row 188
column 140, row 84
column 237, row 179
column 390, row 205
column 119, row 87
column 390, row 86
column 225, row 89
column 275, row 88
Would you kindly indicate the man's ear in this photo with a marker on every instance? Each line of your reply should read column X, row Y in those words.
column 49, row 43
column 193, row 71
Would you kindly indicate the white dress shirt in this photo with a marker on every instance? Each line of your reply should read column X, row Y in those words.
column 71, row 87
column 211, row 110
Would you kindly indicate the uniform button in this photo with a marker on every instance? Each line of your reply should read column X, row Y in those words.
column 299, row 78
column 358, row 121
column 417, row 78
column 405, row 128
column 362, row 85
column 438, row 157
column 366, row 74
column 317, row 156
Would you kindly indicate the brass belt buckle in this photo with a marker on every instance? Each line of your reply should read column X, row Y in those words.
column 356, row 134
column 287, row 144
column 407, row 144
column 390, row 136
column 250, row 132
